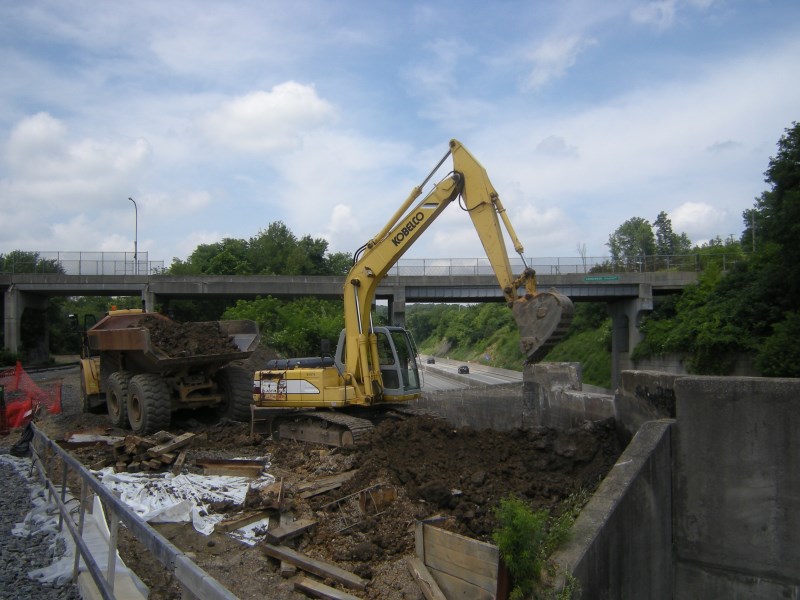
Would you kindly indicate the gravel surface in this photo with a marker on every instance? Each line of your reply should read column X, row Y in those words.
column 28, row 537
column 28, row 527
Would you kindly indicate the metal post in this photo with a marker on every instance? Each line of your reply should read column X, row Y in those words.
column 135, row 237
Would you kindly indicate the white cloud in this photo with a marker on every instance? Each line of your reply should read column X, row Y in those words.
column 268, row 121
column 697, row 219
column 553, row 58
column 48, row 171
column 660, row 14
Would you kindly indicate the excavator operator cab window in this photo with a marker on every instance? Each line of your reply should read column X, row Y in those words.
column 388, row 362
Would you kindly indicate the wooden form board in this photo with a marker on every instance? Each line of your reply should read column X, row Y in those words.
column 463, row 567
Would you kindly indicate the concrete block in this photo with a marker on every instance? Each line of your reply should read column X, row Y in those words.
column 737, row 476
column 643, row 396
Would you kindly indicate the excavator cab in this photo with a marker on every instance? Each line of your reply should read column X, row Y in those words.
column 398, row 362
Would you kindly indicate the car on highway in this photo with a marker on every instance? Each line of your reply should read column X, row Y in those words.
column 463, row 369
column 431, row 361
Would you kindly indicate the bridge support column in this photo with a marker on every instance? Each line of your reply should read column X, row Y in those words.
column 14, row 305
column 397, row 307
column 626, row 315
column 149, row 300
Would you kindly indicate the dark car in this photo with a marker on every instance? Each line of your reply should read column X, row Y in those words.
column 431, row 361
column 463, row 369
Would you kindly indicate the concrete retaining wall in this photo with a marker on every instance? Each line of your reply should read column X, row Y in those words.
column 736, row 478
column 703, row 506
column 621, row 541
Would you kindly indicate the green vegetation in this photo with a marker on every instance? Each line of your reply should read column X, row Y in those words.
column 487, row 333
column 527, row 538
column 751, row 310
column 274, row 251
column 292, row 328
column 20, row 261
column 744, row 304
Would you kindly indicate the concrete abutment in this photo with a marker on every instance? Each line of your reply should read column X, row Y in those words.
column 705, row 500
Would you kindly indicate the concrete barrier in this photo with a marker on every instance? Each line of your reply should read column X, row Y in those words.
column 736, row 478
column 621, row 541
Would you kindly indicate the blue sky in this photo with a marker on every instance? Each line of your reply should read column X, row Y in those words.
column 220, row 118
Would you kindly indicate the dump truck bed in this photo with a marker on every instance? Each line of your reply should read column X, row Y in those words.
column 127, row 333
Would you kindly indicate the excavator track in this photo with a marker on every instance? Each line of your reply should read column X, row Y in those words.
column 340, row 428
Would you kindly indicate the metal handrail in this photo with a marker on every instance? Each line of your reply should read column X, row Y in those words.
column 193, row 579
column 123, row 263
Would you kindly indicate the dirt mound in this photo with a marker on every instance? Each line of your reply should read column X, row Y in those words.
column 436, row 470
column 187, row 339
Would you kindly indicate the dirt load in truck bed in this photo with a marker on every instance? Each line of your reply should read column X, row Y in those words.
column 432, row 469
column 187, row 339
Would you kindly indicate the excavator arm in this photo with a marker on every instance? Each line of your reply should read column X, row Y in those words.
column 542, row 317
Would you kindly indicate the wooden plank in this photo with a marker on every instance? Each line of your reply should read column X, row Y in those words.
column 454, row 587
column 427, row 584
column 233, row 468
column 241, row 520
column 322, row 481
column 178, row 466
column 463, row 571
column 178, row 442
column 317, row 567
column 462, row 544
column 320, row 490
column 320, row 590
column 472, row 561
column 289, row 531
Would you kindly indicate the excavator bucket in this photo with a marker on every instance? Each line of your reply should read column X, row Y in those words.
column 543, row 320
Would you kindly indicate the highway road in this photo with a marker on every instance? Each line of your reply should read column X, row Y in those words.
column 443, row 375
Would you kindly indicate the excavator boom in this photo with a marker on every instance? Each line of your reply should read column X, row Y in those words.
column 377, row 365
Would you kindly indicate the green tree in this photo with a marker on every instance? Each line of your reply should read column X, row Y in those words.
column 632, row 243
column 22, row 261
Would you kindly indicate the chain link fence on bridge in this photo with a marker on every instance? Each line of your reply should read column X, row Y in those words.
column 80, row 263
column 124, row 263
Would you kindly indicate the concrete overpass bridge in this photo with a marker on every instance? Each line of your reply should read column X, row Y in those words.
column 628, row 294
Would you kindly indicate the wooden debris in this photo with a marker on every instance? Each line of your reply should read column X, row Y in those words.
column 231, row 467
column 178, row 466
column 137, row 453
column 320, row 590
column 241, row 520
column 287, row 532
column 178, row 442
column 309, row 489
column 317, row 567
column 427, row 584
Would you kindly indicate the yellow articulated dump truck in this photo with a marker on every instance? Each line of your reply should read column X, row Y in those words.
column 143, row 366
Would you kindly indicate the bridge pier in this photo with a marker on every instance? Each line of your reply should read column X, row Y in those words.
column 149, row 299
column 397, row 307
column 14, row 304
column 626, row 315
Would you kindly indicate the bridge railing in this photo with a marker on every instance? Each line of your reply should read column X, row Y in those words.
column 124, row 263
column 81, row 263
column 448, row 267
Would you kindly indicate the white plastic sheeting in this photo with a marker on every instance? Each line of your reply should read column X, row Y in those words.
column 167, row 498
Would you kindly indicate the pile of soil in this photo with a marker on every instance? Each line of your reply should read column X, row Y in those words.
column 432, row 469
column 187, row 339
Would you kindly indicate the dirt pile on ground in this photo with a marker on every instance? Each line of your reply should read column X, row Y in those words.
column 187, row 339
column 422, row 468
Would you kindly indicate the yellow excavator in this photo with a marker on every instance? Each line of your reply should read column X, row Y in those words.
column 376, row 367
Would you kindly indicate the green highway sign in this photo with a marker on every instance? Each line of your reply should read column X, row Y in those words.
column 601, row 278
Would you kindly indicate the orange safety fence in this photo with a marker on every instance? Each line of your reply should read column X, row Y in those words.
column 24, row 398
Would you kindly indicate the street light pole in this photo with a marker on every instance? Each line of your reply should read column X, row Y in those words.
column 135, row 237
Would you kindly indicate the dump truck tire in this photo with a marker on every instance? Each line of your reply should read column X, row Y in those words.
column 149, row 404
column 117, row 398
column 236, row 386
